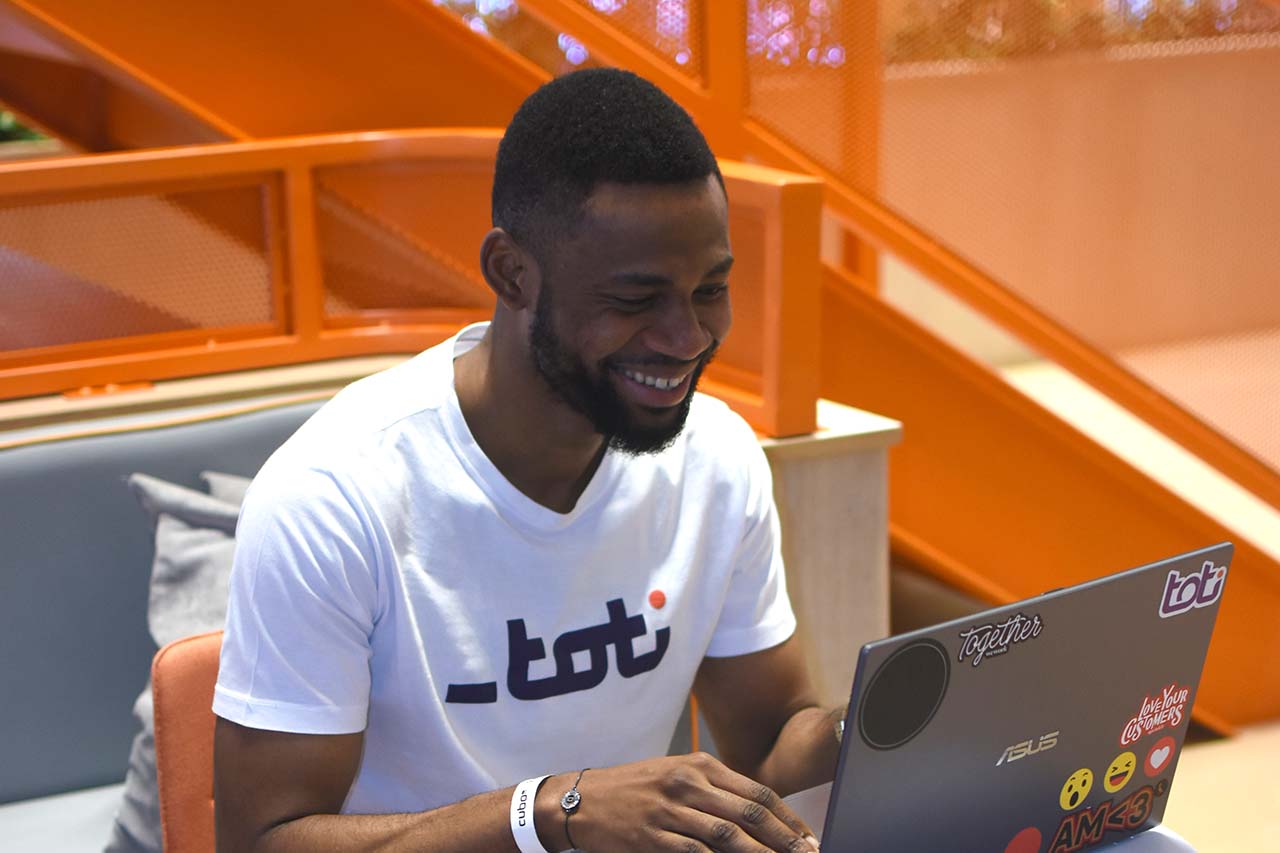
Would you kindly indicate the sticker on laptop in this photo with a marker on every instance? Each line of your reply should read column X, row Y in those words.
column 1159, row 757
column 1119, row 772
column 1076, row 789
column 1166, row 708
column 1196, row 589
column 1088, row 826
column 995, row 638
column 1026, row 841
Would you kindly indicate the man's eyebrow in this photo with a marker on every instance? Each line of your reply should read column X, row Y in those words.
column 643, row 278
column 722, row 267
column 655, row 280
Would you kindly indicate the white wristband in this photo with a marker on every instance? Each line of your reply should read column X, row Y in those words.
column 522, row 816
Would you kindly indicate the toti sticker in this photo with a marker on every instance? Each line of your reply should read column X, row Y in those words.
column 1196, row 589
column 1159, row 711
column 1089, row 825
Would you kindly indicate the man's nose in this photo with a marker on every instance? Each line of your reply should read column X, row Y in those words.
column 679, row 332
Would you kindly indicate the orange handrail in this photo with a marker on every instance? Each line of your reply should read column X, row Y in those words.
column 766, row 370
column 1004, row 500
column 717, row 97
column 717, row 105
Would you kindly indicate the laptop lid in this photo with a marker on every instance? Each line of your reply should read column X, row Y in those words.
column 1046, row 726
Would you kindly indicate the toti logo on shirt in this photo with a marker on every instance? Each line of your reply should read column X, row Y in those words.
column 619, row 631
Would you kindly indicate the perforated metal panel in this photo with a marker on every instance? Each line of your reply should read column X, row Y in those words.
column 1109, row 161
column 503, row 20
column 402, row 235
column 807, row 80
column 673, row 28
column 102, row 268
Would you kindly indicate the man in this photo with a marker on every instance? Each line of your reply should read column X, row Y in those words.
column 515, row 554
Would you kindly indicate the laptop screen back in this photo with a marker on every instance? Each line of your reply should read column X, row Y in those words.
column 1045, row 726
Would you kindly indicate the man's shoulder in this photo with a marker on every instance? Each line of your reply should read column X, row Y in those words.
column 370, row 417
column 714, row 428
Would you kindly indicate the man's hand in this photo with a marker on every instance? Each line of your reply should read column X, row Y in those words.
column 684, row 804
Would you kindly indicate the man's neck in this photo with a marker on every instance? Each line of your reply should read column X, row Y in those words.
column 543, row 448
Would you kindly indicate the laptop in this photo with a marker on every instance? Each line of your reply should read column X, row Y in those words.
column 1052, row 725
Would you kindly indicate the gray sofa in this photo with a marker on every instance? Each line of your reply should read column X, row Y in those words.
column 75, row 565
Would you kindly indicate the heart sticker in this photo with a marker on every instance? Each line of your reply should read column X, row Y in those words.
column 1159, row 756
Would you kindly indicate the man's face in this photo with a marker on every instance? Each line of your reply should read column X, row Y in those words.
column 632, row 306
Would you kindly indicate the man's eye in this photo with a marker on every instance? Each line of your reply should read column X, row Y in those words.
column 713, row 291
column 638, row 303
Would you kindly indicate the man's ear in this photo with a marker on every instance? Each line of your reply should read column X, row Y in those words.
column 509, row 270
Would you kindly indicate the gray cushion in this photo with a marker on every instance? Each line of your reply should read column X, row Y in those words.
column 195, row 539
column 74, row 581
column 226, row 487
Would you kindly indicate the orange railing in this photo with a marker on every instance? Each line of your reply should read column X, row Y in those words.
column 138, row 267
column 793, row 101
column 723, row 97
column 979, row 459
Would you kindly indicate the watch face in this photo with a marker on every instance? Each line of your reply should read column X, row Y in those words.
column 570, row 800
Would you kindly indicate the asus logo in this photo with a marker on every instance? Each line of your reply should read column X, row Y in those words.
column 1029, row 747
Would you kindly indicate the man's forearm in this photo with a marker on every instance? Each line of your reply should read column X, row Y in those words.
column 805, row 752
column 480, row 823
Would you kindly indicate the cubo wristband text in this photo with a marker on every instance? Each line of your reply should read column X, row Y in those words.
column 522, row 816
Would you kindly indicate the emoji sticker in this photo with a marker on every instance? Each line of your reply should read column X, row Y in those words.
column 1119, row 772
column 1027, row 841
column 1088, row 826
column 1159, row 757
column 1076, row 788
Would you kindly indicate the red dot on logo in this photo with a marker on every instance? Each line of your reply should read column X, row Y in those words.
column 658, row 599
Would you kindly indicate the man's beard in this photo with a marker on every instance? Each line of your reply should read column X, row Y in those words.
column 595, row 398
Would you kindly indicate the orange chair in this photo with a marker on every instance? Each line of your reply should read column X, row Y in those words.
column 182, row 678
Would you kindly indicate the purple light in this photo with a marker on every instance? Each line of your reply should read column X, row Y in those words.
column 671, row 19
column 574, row 51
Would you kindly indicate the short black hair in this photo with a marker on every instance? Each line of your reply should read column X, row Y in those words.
column 598, row 125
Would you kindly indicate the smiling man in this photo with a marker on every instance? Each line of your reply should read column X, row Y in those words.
column 472, row 594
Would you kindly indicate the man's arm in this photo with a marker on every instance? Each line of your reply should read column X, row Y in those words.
column 275, row 791
column 764, row 714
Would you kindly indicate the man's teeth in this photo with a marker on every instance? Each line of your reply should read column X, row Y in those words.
column 653, row 381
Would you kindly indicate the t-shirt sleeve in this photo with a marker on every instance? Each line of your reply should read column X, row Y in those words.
column 757, row 613
column 301, row 611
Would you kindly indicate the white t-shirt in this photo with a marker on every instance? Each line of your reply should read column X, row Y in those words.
column 388, row 579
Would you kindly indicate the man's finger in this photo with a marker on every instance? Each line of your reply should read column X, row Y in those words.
column 749, row 789
column 725, row 835
column 676, row 843
column 750, row 818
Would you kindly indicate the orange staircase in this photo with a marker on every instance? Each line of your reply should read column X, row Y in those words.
column 989, row 491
